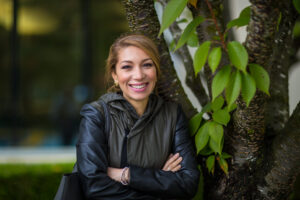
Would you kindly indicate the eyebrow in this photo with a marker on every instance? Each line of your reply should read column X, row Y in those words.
column 129, row 61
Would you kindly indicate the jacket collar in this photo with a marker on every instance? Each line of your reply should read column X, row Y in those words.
column 120, row 104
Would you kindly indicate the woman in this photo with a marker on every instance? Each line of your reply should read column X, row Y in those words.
column 147, row 153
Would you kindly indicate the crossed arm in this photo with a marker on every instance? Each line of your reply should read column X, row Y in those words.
column 172, row 164
column 177, row 179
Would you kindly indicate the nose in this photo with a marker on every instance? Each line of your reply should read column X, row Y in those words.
column 138, row 73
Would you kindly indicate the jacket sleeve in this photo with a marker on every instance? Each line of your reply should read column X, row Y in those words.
column 181, row 184
column 92, row 160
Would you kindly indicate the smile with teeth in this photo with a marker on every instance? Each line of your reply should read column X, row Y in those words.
column 140, row 86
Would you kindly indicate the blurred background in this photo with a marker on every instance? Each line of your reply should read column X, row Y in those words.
column 52, row 61
column 52, row 58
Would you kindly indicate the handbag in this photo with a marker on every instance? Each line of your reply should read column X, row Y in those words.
column 70, row 187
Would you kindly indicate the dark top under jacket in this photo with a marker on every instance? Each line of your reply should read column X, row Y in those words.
column 141, row 143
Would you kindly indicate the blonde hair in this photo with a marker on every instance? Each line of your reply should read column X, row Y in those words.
column 137, row 40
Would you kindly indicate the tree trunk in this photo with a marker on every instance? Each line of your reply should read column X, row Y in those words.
column 142, row 17
column 262, row 166
column 280, row 63
column 284, row 161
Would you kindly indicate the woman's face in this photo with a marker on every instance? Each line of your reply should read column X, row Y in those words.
column 136, row 74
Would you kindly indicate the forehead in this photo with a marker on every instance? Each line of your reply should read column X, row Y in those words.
column 132, row 53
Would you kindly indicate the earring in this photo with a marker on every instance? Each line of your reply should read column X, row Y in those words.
column 116, row 83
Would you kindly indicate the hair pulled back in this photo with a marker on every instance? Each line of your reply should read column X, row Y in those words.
column 137, row 40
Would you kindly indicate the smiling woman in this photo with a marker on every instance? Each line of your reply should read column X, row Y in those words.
column 135, row 73
column 147, row 153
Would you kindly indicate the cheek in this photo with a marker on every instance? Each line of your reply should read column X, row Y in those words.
column 123, row 78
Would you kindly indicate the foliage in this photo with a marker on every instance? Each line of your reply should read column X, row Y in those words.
column 230, row 81
column 31, row 181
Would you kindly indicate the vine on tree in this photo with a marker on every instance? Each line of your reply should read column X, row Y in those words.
column 229, row 82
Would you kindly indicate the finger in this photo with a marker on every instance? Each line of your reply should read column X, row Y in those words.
column 171, row 159
column 170, row 156
column 175, row 163
column 178, row 167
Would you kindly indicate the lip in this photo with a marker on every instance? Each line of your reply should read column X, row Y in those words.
column 135, row 89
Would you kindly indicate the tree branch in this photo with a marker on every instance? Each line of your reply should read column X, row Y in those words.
column 280, row 63
column 207, row 30
column 245, row 141
column 142, row 17
column 193, row 82
column 285, row 160
column 249, row 125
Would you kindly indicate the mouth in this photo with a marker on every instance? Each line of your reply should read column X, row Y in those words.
column 138, row 87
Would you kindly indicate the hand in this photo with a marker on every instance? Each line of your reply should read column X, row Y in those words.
column 173, row 163
column 114, row 173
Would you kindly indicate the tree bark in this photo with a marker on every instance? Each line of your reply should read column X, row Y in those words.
column 193, row 82
column 261, row 167
column 284, row 161
column 246, row 137
column 279, row 64
column 142, row 17
column 248, row 122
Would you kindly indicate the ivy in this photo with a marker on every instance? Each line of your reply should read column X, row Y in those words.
column 201, row 56
column 188, row 31
column 238, row 78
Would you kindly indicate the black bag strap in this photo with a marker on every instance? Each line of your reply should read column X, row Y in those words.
column 106, row 113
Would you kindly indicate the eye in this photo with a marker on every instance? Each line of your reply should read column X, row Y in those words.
column 148, row 64
column 126, row 67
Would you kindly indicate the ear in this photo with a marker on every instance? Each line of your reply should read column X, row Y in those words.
column 114, row 76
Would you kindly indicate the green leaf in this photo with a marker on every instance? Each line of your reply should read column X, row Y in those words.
column 231, row 107
column 223, row 164
column 214, row 58
column 233, row 88
column 221, row 116
column 225, row 155
column 214, row 146
column 206, row 108
column 210, row 163
column 238, row 55
column 242, row 20
column 188, row 31
column 172, row 45
column 216, row 136
column 193, row 40
column 202, row 137
column 217, row 103
column 246, row 12
column 201, row 56
column 200, row 189
column 194, row 123
column 248, row 88
column 220, row 81
column 297, row 5
column 206, row 151
column 173, row 10
column 183, row 20
column 296, row 31
column 261, row 77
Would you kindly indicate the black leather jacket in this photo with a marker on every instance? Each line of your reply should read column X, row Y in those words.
column 148, row 145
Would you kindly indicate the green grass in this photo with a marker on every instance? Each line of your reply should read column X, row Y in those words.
column 31, row 181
